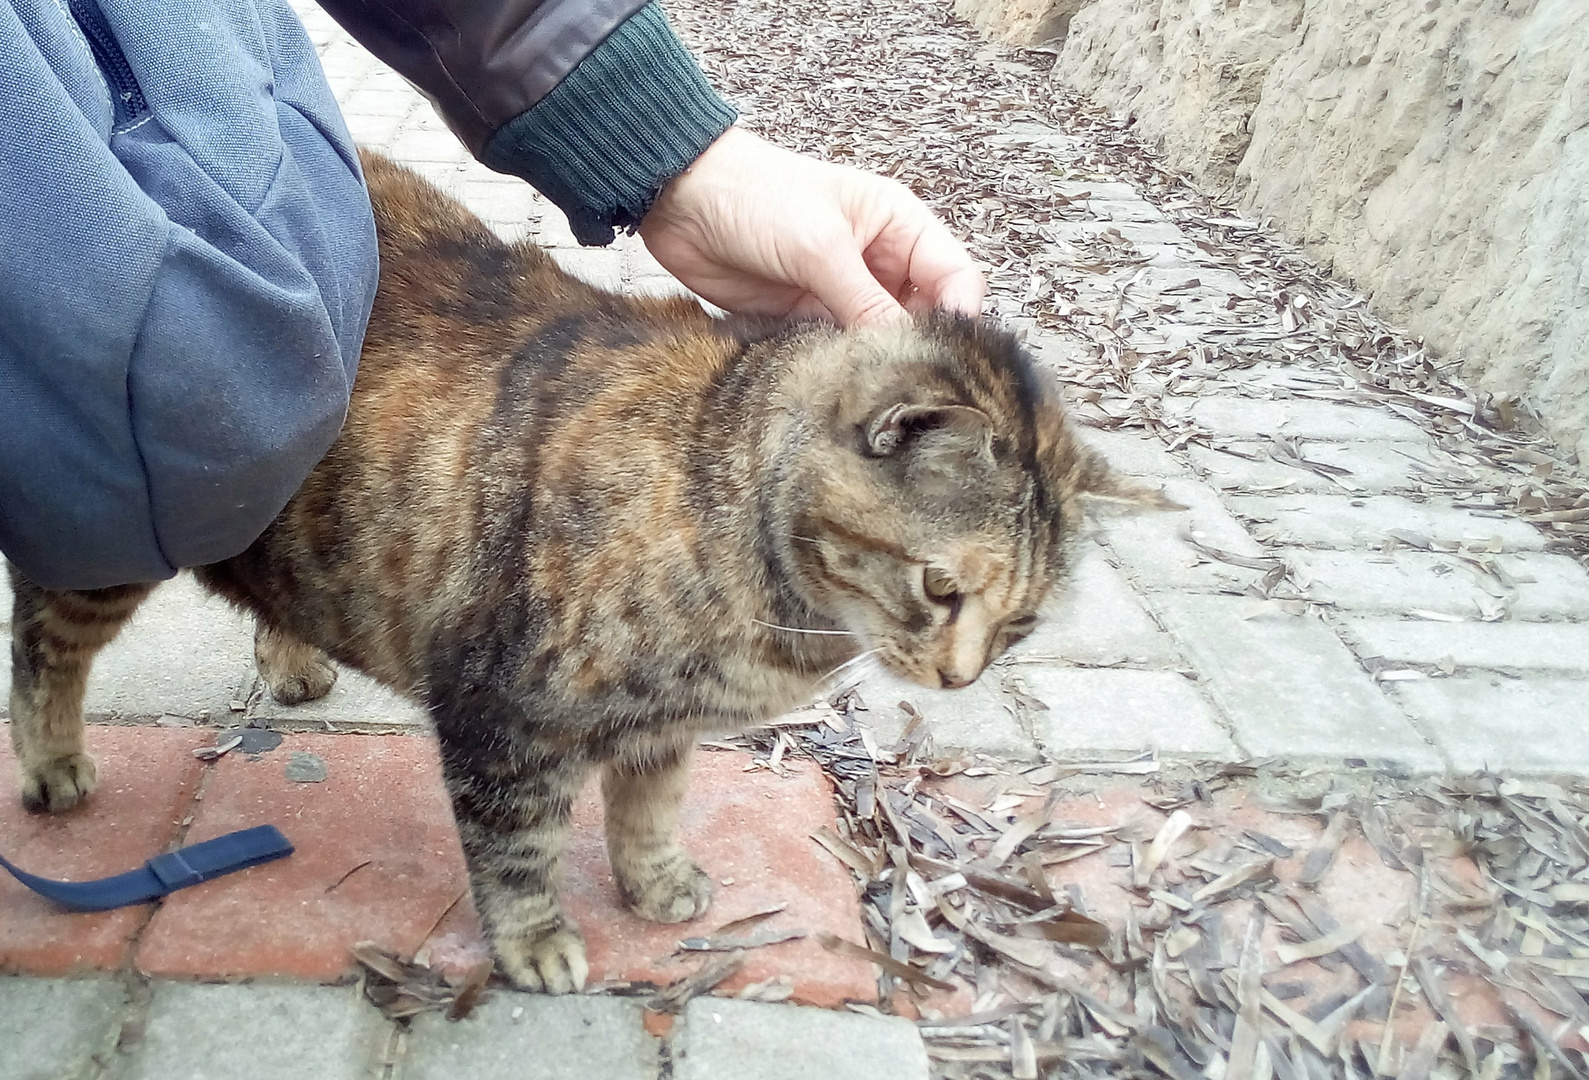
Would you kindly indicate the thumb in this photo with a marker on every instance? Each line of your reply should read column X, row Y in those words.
column 840, row 278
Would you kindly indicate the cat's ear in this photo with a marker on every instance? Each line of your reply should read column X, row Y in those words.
column 950, row 428
column 1100, row 483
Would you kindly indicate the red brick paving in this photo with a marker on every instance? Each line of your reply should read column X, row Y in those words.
column 752, row 828
column 383, row 806
column 147, row 778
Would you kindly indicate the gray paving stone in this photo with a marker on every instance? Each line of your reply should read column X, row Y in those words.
column 726, row 1039
column 1132, row 209
column 1118, row 709
column 184, row 652
column 638, row 260
column 503, row 199
column 1528, row 646
column 1138, row 232
column 1134, row 455
column 368, row 101
column 225, row 1032
column 1151, row 549
column 1341, row 521
column 1289, row 685
column 1036, row 136
column 977, row 718
column 1102, row 189
column 1301, row 418
column 1096, row 620
column 516, row 1036
column 1531, row 725
column 55, row 1029
column 1059, row 352
column 555, row 232
column 373, row 131
column 1207, row 283
column 1372, row 467
column 1548, row 586
column 384, row 78
column 418, row 144
column 356, row 701
column 598, row 267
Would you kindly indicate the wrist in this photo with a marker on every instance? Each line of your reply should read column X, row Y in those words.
column 628, row 119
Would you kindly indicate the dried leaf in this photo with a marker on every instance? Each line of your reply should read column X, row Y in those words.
column 898, row 968
column 1235, row 879
column 676, row 995
column 745, row 922
column 912, row 926
column 1316, row 863
column 1321, row 946
column 470, row 989
column 1247, row 1037
column 1173, row 828
column 845, row 852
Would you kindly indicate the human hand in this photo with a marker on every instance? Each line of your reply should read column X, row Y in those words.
column 758, row 229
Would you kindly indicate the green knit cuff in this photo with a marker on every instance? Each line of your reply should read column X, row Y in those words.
column 631, row 116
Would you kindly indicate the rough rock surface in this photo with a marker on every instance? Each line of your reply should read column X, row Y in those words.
column 1434, row 152
column 1020, row 22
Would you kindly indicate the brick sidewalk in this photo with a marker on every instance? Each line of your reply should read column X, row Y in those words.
column 378, row 859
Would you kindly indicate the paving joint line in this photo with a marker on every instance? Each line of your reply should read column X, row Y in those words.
column 135, row 984
column 1202, row 684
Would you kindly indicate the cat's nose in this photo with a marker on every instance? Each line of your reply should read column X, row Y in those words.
column 954, row 682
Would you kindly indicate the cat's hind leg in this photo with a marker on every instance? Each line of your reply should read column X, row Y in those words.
column 294, row 671
column 54, row 638
column 642, row 792
column 512, row 803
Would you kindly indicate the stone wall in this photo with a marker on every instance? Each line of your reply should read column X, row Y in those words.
column 1434, row 152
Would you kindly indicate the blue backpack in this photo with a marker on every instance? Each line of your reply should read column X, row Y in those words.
column 187, row 264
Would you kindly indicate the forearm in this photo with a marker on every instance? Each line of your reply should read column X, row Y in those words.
column 595, row 104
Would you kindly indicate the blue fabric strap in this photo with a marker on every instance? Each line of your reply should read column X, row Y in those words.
column 164, row 873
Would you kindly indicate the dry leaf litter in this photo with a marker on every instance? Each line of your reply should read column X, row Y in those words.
column 1137, row 918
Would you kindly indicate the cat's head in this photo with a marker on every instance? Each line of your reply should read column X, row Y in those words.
column 936, row 493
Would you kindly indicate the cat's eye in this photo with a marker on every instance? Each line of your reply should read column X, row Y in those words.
column 938, row 585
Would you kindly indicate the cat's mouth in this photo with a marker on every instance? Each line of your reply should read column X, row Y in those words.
column 927, row 674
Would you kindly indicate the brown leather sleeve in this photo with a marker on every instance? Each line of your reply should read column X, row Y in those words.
column 483, row 62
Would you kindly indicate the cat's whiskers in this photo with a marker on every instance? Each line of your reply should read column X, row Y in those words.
column 840, row 672
column 801, row 629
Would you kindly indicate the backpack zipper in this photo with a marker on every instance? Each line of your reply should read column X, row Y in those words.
column 129, row 100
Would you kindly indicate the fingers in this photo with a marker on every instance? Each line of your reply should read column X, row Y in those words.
column 911, row 253
column 941, row 269
column 843, row 283
column 944, row 274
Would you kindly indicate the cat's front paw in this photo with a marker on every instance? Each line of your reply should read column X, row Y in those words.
column 551, row 961
column 59, row 784
column 310, row 681
column 294, row 671
column 670, row 890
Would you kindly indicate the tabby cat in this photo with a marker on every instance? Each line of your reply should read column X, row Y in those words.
column 583, row 528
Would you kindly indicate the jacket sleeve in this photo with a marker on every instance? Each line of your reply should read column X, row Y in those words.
column 597, row 104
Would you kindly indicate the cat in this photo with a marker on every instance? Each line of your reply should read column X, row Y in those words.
column 583, row 528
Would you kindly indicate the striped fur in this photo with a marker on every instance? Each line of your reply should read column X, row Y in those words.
column 584, row 528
